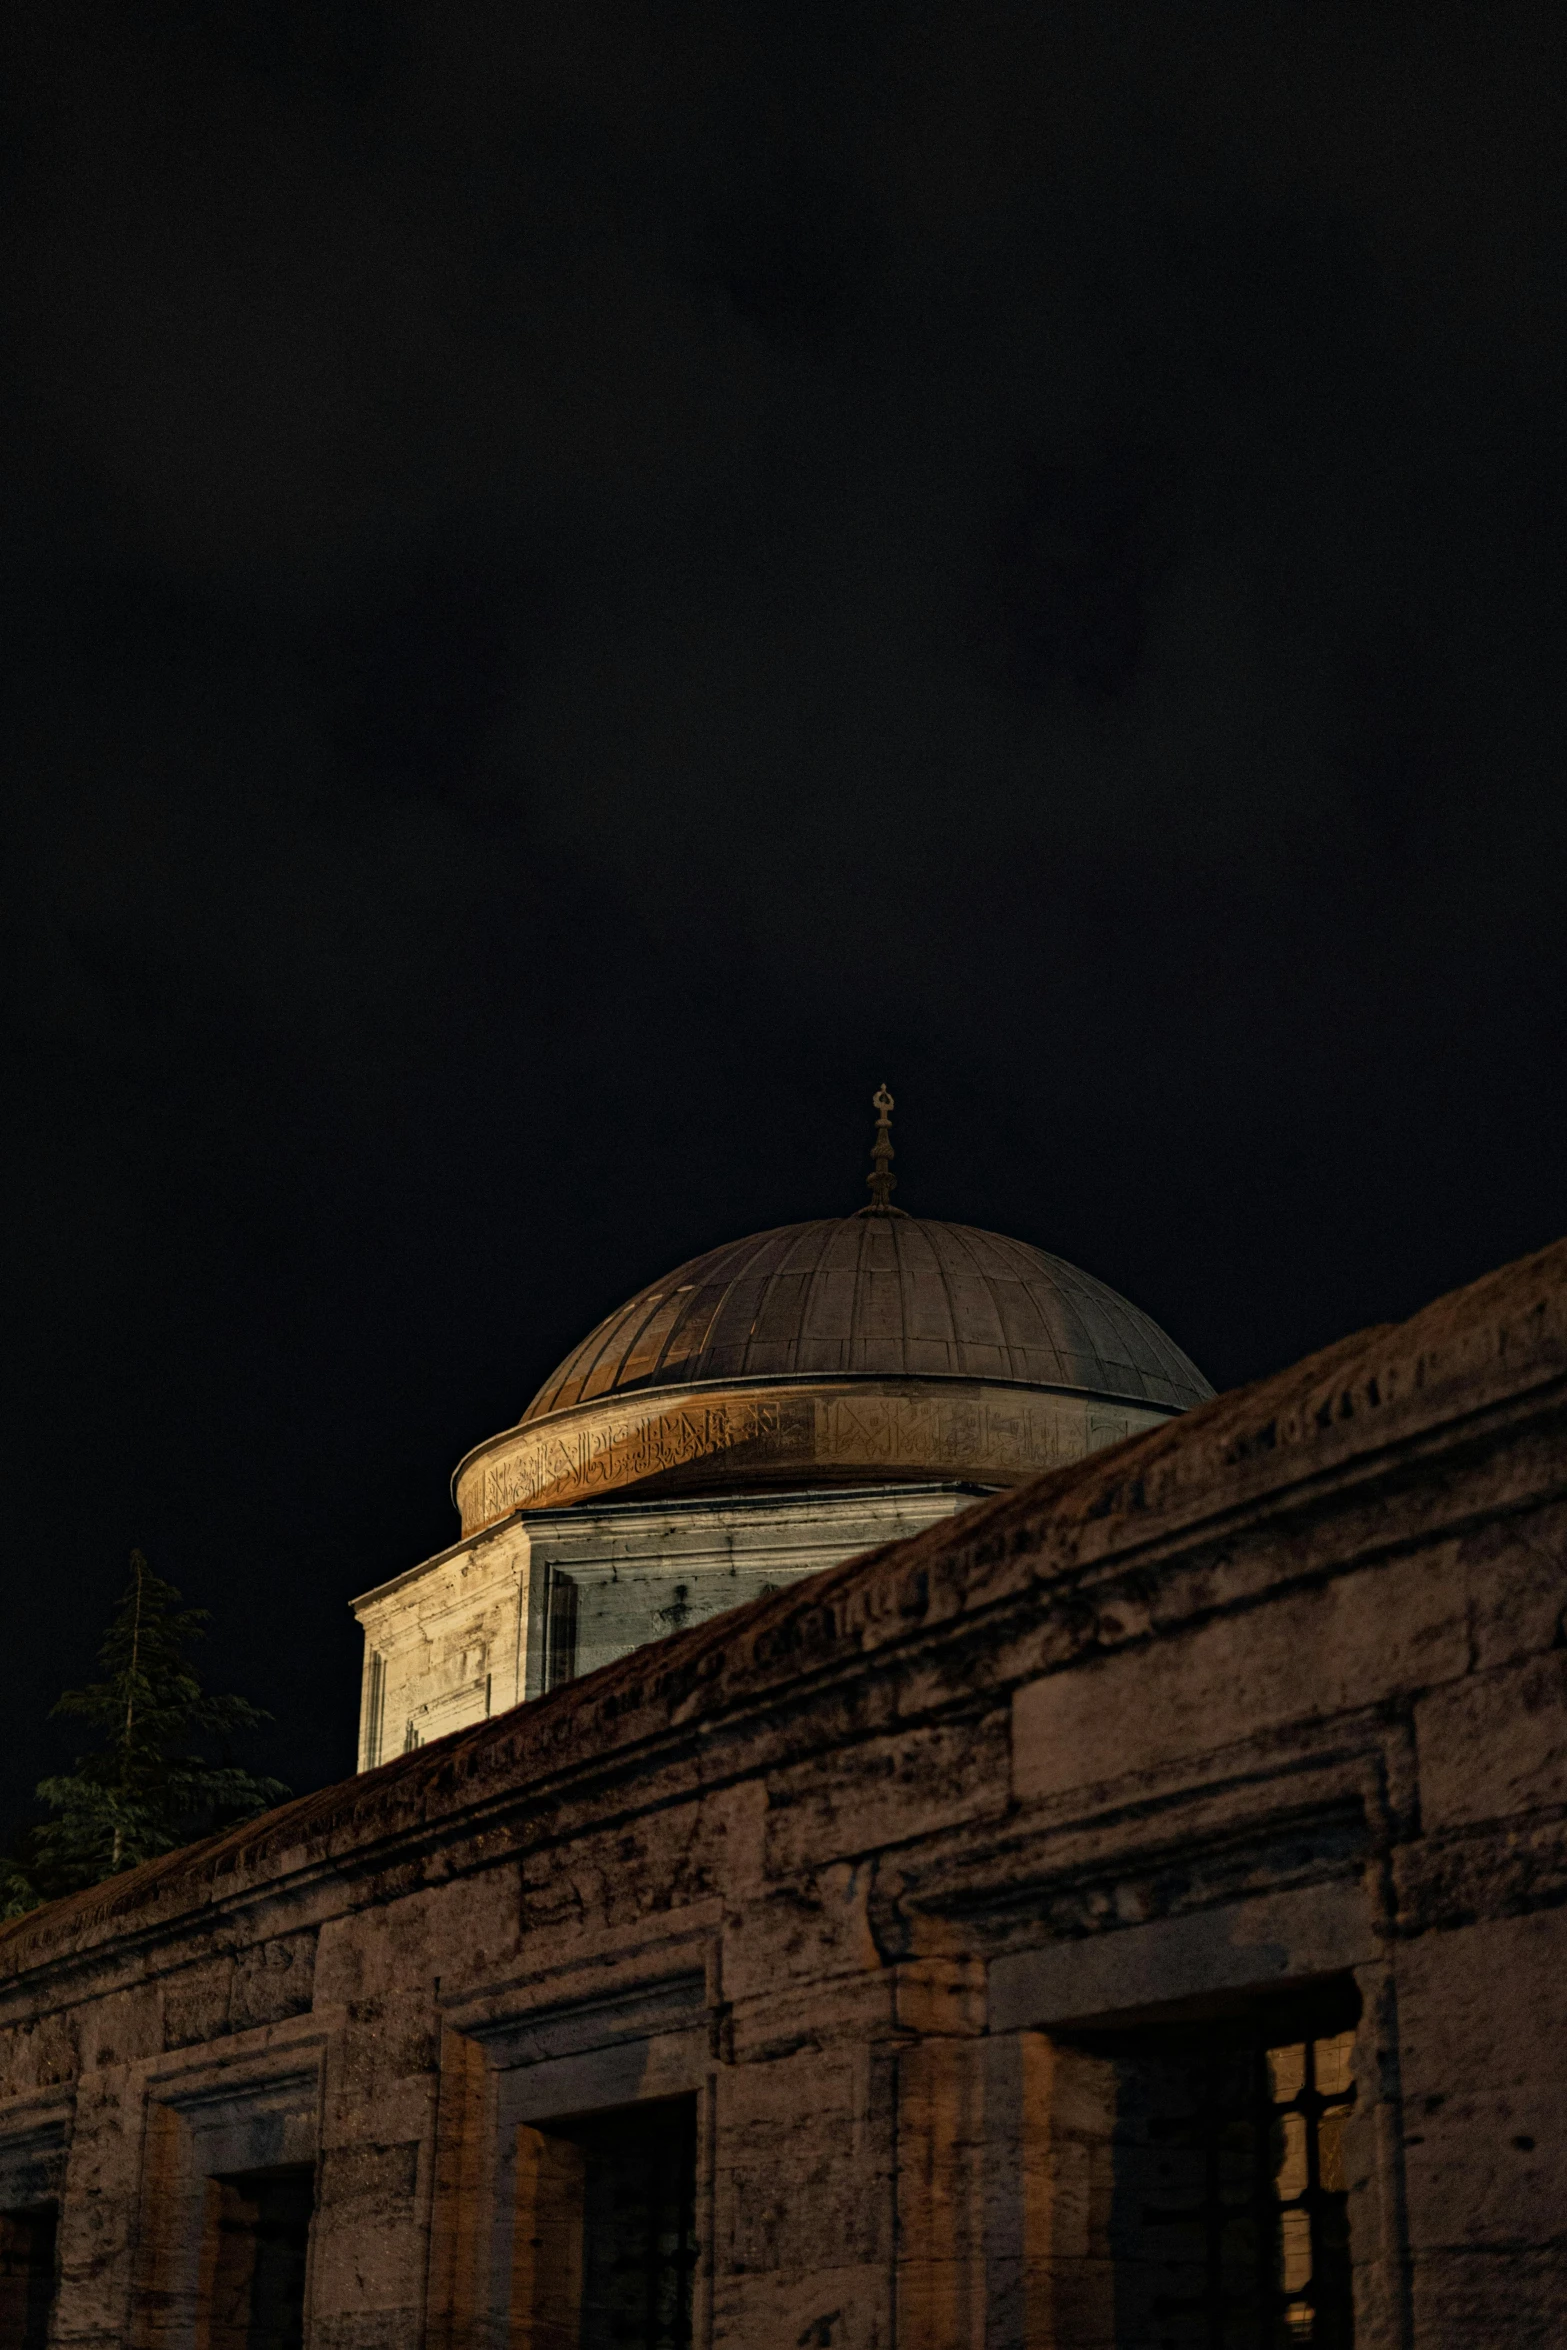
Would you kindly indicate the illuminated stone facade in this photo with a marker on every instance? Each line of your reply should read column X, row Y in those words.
column 542, row 1595
column 1131, row 1909
column 557, row 1508
column 808, row 1382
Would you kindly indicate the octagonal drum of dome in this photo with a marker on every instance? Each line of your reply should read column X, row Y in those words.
column 848, row 1349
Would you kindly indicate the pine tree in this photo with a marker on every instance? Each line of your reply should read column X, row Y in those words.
column 141, row 1792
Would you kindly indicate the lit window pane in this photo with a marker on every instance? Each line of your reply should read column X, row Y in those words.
column 1295, row 2250
column 1334, row 2060
column 1292, row 2177
column 1330, row 2152
column 1229, row 2211
column 1286, row 2073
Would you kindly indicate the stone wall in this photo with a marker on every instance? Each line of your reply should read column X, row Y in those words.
column 892, row 1874
column 469, row 1632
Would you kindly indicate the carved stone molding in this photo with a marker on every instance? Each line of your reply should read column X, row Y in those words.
column 969, row 1430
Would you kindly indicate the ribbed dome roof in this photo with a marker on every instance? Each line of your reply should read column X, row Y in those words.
column 877, row 1296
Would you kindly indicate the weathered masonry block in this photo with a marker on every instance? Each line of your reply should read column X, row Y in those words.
column 1130, row 1911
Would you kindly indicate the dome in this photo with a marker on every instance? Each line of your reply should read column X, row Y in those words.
column 876, row 1296
column 857, row 1349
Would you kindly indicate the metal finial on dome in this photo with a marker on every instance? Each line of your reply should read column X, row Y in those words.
column 881, row 1181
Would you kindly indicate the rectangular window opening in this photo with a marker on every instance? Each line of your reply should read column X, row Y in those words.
column 257, row 2246
column 560, row 1647
column 606, row 2246
column 375, row 1708
column 27, row 2274
column 1228, row 2220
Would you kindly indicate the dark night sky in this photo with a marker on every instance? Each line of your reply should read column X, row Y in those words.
column 582, row 583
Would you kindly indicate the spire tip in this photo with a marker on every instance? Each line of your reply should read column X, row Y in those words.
column 881, row 1181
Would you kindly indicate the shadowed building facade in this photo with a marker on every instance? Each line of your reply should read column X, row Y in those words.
column 1128, row 1912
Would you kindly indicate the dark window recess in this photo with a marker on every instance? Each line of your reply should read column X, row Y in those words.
column 375, row 1708
column 560, row 1649
column 258, row 2245
column 613, row 2229
column 1229, row 2224
column 27, row 2244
